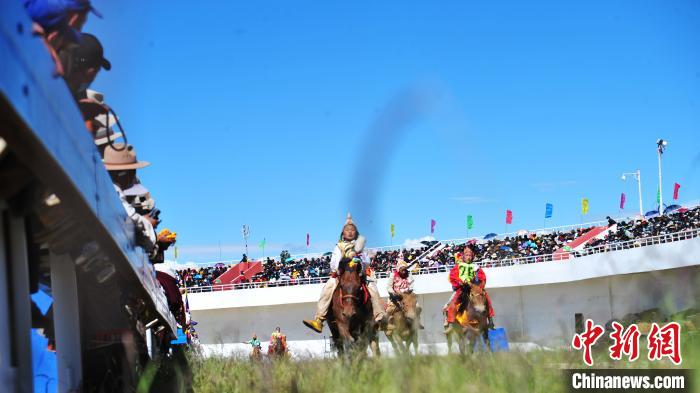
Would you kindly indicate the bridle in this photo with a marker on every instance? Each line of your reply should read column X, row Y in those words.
column 346, row 296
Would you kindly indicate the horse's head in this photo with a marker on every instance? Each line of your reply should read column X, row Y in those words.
column 477, row 298
column 408, row 305
column 350, row 284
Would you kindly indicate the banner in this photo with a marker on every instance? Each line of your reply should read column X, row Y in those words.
column 308, row 239
column 509, row 217
column 432, row 226
column 623, row 198
column 470, row 222
column 658, row 196
column 676, row 187
column 262, row 243
column 584, row 206
column 175, row 252
column 548, row 208
column 392, row 231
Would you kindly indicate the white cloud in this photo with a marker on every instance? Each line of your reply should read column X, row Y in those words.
column 416, row 243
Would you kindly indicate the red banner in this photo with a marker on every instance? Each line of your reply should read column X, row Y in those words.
column 676, row 187
column 509, row 217
column 432, row 226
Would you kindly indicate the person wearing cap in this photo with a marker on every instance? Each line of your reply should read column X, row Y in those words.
column 78, row 12
column 168, row 279
column 82, row 63
column 400, row 283
column 350, row 245
column 121, row 163
column 51, row 23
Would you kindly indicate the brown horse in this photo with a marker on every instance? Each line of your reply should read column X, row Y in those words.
column 256, row 355
column 471, row 320
column 403, row 325
column 350, row 318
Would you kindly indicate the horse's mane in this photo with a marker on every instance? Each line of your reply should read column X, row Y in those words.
column 344, row 265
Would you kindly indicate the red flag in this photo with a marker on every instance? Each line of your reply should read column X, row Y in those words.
column 432, row 226
column 676, row 187
column 623, row 198
column 308, row 239
column 509, row 217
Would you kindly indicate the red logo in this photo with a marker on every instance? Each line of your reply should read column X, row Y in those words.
column 665, row 342
column 586, row 340
column 625, row 343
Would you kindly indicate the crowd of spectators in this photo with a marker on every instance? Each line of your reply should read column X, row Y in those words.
column 287, row 270
column 201, row 276
column 79, row 58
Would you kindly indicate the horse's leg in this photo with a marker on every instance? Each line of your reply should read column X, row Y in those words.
column 414, row 340
column 485, row 335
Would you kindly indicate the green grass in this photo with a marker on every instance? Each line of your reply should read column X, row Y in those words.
column 537, row 371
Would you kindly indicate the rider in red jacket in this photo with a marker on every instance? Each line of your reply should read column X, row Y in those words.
column 464, row 271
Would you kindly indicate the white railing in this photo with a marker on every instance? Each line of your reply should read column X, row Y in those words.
column 560, row 256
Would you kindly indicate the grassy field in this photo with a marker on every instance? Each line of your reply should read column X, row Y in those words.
column 538, row 371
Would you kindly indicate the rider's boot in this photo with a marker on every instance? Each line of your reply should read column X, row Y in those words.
column 377, row 309
column 324, row 303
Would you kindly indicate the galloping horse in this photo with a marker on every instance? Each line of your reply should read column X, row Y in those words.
column 471, row 320
column 402, row 329
column 256, row 355
column 350, row 318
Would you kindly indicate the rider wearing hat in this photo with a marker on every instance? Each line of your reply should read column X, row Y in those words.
column 464, row 272
column 350, row 245
column 400, row 283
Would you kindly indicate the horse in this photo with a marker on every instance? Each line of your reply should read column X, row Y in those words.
column 276, row 348
column 403, row 325
column 471, row 320
column 350, row 317
column 256, row 355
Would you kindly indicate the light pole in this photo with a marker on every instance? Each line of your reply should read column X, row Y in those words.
column 638, row 176
column 246, row 234
column 660, row 147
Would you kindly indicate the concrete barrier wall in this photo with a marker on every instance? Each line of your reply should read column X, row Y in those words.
column 535, row 303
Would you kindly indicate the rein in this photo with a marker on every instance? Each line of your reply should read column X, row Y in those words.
column 346, row 296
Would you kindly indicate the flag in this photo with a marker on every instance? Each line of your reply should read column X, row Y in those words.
column 623, row 198
column 308, row 239
column 262, row 243
column 432, row 226
column 584, row 206
column 392, row 231
column 658, row 196
column 509, row 217
column 676, row 187
column 548, row 208
column 175, row 252
column 470, row 222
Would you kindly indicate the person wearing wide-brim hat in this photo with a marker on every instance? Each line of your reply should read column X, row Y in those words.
column 121, row 163
column 350, row 245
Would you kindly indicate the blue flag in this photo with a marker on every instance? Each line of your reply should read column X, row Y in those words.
column 548, row 210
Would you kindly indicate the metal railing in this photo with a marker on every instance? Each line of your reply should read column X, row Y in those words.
column 561, row 256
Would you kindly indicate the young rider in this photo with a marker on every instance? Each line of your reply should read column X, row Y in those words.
column 465, row 271
column 400, row 283
column 350, row 245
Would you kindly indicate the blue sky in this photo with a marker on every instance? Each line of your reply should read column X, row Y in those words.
column 284, row 116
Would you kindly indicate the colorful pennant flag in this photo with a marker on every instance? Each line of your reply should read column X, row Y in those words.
column 392, row 230
column 676, row 187
column 658, row 196
column 584, row 206
column 548, row 210
column 470, row 222
column 308, row 239
column 509, row 217
column 262, row 243
column 623, row 199
column 175, row 252
column 432, row 225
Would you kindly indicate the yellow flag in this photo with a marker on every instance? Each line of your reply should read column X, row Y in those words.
column 392, row 230
column 584, row 206
column 175, row 252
